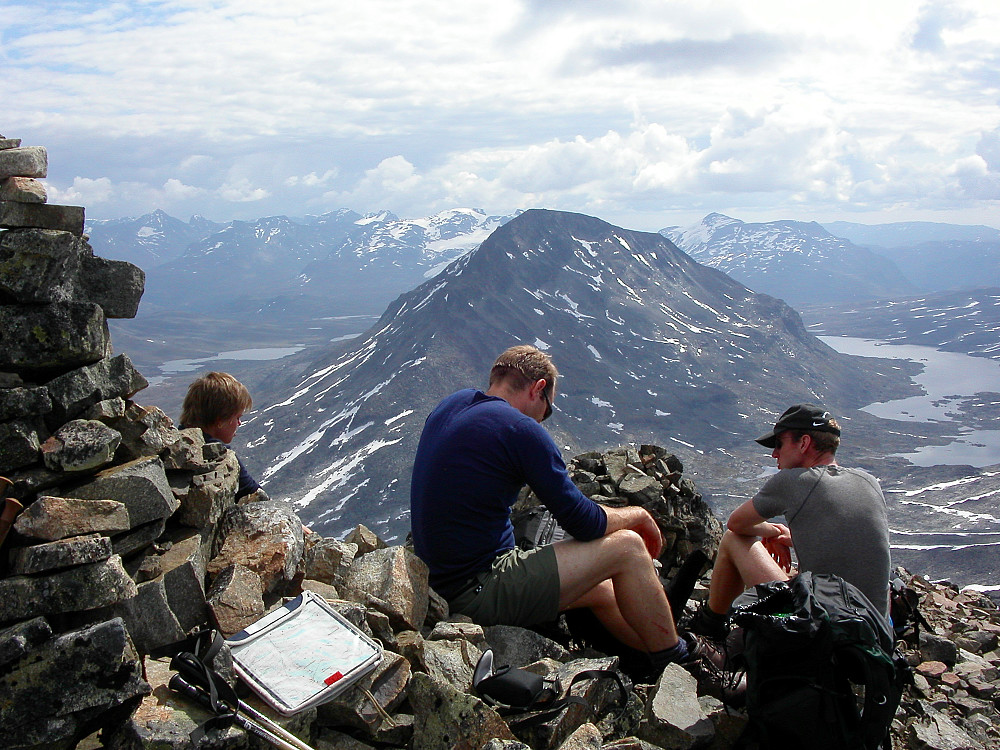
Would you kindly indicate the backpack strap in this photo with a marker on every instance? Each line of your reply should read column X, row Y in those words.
column 540, row 697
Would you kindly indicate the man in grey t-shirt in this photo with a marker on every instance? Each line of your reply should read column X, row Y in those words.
column 836, row 517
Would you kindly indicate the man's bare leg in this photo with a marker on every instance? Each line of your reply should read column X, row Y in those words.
column 742, row 562
column 614, row 576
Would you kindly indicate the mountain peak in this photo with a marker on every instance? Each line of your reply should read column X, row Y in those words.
column 632, row 323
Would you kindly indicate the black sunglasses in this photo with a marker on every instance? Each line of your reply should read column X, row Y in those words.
column 548, row 406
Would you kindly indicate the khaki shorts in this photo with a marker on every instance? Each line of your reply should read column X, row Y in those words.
column 521, row 588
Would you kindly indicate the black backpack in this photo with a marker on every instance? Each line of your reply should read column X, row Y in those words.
column 822, row 668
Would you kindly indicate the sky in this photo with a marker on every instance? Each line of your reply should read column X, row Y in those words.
column 644, row 113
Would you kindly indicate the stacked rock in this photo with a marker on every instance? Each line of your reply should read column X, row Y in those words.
column 90, row 575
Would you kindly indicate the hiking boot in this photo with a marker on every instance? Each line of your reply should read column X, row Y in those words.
column 713, row 651
column 714, row 680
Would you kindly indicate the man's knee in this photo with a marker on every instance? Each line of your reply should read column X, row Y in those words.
column 628, row 542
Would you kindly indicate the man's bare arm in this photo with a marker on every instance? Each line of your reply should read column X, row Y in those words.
column 776, row 537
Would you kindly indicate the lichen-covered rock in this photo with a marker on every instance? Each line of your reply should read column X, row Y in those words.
column 40, row 265
column 446, row 718
column 20, row 443
column 70, row 686
column 75, row 589
column 65, row 553
column 20, row 402
column 79, row 389
column 60, row 335
column 81, row 445
column 115, row 285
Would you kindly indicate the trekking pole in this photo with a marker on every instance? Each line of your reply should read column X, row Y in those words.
column 197, row 677
column 179, row 685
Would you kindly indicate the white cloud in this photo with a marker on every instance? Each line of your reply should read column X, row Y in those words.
column 174, row 190
column 626, row 108
column 241, row 191
column 312, row 179
column 83, row 191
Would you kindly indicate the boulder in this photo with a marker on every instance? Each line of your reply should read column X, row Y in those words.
column 29, row 161
column 365, row 539
column 81, row 445
column 141, row 486
column 183, row 567
column 15, row 215
column 21, row 638
column 448, row 719
column 76, row 589
column 519, row 646
column 65, row 553
column 674, row 717
column 23, row 190
column 328, row 560
column 40, row 265
column 394, row 581
column 387, row 685
column 145, row 431
column 235, row 599
column 205, row 497
column 165, row 720
column 70, row 686
column 83, row 387
column 53, row 518
column 150, row 621
column 451, row 661
column 115, row 285
column 19, row 402
column 59, row 335
column 20, row 443
column 586, row 737
column 265, row 537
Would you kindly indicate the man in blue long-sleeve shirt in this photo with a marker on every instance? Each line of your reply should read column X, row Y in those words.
column 476, row 452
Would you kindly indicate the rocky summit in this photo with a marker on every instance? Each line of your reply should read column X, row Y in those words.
column 121, row 535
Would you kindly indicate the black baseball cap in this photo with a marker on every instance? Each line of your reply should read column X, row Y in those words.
column 805, row 417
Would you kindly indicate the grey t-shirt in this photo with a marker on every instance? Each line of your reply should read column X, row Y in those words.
column 838, row 521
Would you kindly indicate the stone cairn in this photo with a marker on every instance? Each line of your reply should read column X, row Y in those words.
column 131, row 538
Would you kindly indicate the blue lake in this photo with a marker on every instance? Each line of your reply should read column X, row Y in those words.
column 948, row 379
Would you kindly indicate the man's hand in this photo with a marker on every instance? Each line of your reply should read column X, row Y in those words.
column 651, row 535
column 639, row 520
column 779, row 547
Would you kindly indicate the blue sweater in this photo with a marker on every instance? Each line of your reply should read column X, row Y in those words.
column 475, row 454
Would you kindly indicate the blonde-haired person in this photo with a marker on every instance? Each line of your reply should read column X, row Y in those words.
column 216, row 402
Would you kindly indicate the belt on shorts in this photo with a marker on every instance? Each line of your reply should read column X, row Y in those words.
column 472, row 584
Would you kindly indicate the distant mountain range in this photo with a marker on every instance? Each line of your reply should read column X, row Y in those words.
column 338, row 263
column 807, row 264
column 653, row 347
column 798, row 262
